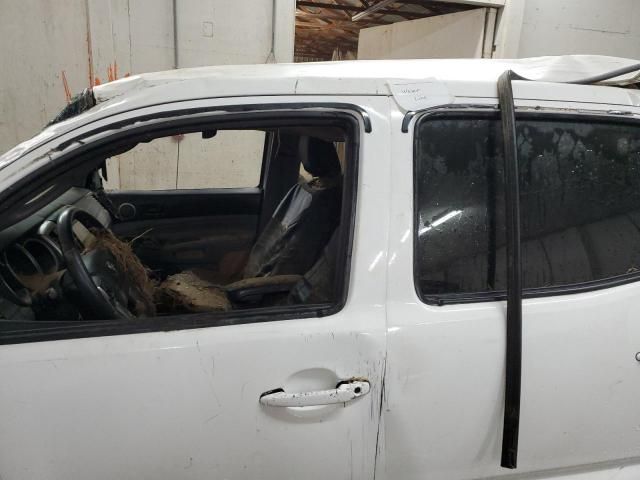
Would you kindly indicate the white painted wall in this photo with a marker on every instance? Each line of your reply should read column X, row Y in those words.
column 455, row 35
column 95, row 40
column 560, row 27
column 524, row 28
column 508, row 29
column 490, row 32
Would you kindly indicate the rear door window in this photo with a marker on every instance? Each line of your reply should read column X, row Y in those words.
column 579, row 193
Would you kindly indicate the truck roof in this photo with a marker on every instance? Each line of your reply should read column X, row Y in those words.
column 359, row 77
column 463, row 79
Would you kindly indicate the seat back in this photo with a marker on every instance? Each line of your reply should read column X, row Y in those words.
column 302, row 224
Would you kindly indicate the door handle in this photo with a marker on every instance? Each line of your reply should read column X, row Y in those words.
column 343, row 393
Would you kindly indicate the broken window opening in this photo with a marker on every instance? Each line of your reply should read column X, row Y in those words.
column 277, row 241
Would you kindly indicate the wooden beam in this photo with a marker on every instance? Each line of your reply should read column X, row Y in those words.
column 354, row 8
column 344, row 14
column 330, row 6
column 475, row 3
column 372, row 9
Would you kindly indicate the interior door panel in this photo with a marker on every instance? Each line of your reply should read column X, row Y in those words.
column 212, row 230
column 161, row 204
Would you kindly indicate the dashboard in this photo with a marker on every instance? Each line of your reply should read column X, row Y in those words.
column 31, row 259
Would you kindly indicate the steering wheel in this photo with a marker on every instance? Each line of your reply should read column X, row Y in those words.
column 98, row 276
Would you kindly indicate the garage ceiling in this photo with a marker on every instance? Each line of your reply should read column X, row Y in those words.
column 326, row 26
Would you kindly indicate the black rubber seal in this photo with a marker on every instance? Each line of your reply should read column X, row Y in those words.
column 513, row 375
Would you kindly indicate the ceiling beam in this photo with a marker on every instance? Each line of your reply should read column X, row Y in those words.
column 476, row 3
column 346, row 15
column 372, row 9
column 353, row 8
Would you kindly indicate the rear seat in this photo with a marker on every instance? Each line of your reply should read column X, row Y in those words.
column 596, row 250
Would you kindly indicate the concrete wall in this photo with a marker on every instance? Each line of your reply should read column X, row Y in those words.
column 39, row 39
column 134, row 36
column 212, row 33
column 95, row 41
column 231, row 159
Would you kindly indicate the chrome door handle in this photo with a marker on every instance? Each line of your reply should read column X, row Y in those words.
column 344, row 392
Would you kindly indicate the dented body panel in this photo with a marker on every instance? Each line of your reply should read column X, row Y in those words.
column 186, row 403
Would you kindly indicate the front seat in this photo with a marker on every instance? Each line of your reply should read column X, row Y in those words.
column 307, row 216
column 289, row 246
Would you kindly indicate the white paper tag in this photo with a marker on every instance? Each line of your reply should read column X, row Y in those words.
column 420, row 95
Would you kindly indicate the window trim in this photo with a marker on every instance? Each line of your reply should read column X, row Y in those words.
column 38, row 331
column 491, row 111
column 357, row 110
column 232, row 112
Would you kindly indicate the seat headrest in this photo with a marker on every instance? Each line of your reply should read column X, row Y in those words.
column 319, row 157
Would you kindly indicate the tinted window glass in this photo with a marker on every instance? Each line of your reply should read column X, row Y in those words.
column 579, row 193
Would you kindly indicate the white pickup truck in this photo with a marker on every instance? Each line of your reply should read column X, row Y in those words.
column 418, row 269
